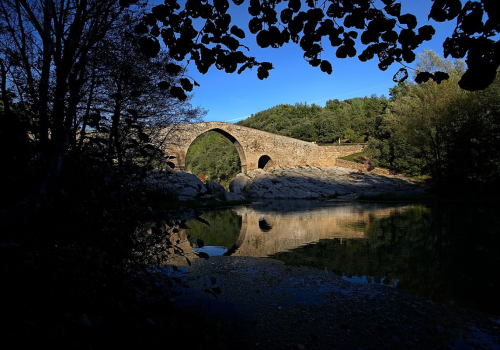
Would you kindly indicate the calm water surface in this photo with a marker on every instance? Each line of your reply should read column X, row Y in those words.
column 446, row 252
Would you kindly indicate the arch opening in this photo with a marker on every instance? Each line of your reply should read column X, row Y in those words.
column 264, row 225
column 265, row 162
column 216, row 155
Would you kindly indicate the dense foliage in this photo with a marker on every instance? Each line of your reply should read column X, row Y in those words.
column 222, row 164
column 79, row 117
column 204, row 33
column 435, row 129
column 442, row 130
column 352, row 120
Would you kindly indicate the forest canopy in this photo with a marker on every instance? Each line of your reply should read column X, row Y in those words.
column 428, row 129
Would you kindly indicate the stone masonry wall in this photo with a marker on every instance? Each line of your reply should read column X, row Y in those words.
column 353, row 165
column 252, row 144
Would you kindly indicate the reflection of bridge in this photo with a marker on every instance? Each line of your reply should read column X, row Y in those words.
column 275, row 227
column 265, row 233
column 257, row 149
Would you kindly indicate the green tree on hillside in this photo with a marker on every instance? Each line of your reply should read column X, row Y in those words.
column 213, row 155
column 448, row 132
column 352, row 120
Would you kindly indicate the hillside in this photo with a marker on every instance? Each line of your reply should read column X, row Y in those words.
column 352, row 120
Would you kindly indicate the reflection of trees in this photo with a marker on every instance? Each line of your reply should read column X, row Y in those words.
column 223, row 230
column 441, row 252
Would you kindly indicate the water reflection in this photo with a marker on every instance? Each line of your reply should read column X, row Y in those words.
column 446, row 253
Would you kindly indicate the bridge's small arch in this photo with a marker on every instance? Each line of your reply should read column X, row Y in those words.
column 265, row 162
column 234, row 141
column 264, row 225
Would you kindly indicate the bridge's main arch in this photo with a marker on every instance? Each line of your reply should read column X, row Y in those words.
column 234, row 141
column 257, row 149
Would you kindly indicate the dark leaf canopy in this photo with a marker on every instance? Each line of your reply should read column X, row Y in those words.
column 384, row 33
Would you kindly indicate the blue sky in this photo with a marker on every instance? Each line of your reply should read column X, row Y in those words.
column 233, row 97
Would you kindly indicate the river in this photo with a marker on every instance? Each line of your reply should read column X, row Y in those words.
column 445, row 252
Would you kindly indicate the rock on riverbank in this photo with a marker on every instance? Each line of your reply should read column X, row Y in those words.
column 187, row 186
column 301, row 182
column 311, row 182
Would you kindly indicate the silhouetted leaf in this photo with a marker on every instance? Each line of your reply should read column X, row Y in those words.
column 255, row 25
column 401, row 75
column 326, row 67
column 408, row 19
column 262, row 73
column 426, row 32
column 286, row 15
column 141, row 28
column 237, row 32
column 422, row 77
column 221, row 5
column 341, row 52
column 263, row 39
column 472, row 21
column 254, row 8
column 173, row 68
column 438, row 77
column 478, row 77
column 445, row 10
column 164, row 85
column 186, row 84
column 149, row 46
column 178, row 93
column 315, row 62
column 294, row 5
column 456, row 47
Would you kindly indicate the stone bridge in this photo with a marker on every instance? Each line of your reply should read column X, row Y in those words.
column 257, row 149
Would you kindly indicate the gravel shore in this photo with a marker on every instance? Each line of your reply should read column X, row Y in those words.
column 274, row 306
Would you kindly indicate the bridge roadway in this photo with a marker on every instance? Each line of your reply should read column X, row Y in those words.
column 257, row 149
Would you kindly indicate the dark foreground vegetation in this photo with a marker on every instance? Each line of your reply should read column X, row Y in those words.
column 86, row 90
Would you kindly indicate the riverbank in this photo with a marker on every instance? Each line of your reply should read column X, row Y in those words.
column 300, row 182
column 273, row 306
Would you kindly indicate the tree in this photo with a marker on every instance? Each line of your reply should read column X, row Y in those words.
column 45, row 46
column 73, row 65
column 202, row 32
column 131, row 96
column 424, row 115
column 455, row 132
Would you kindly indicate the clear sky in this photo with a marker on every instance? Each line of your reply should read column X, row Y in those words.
column 233, row 97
